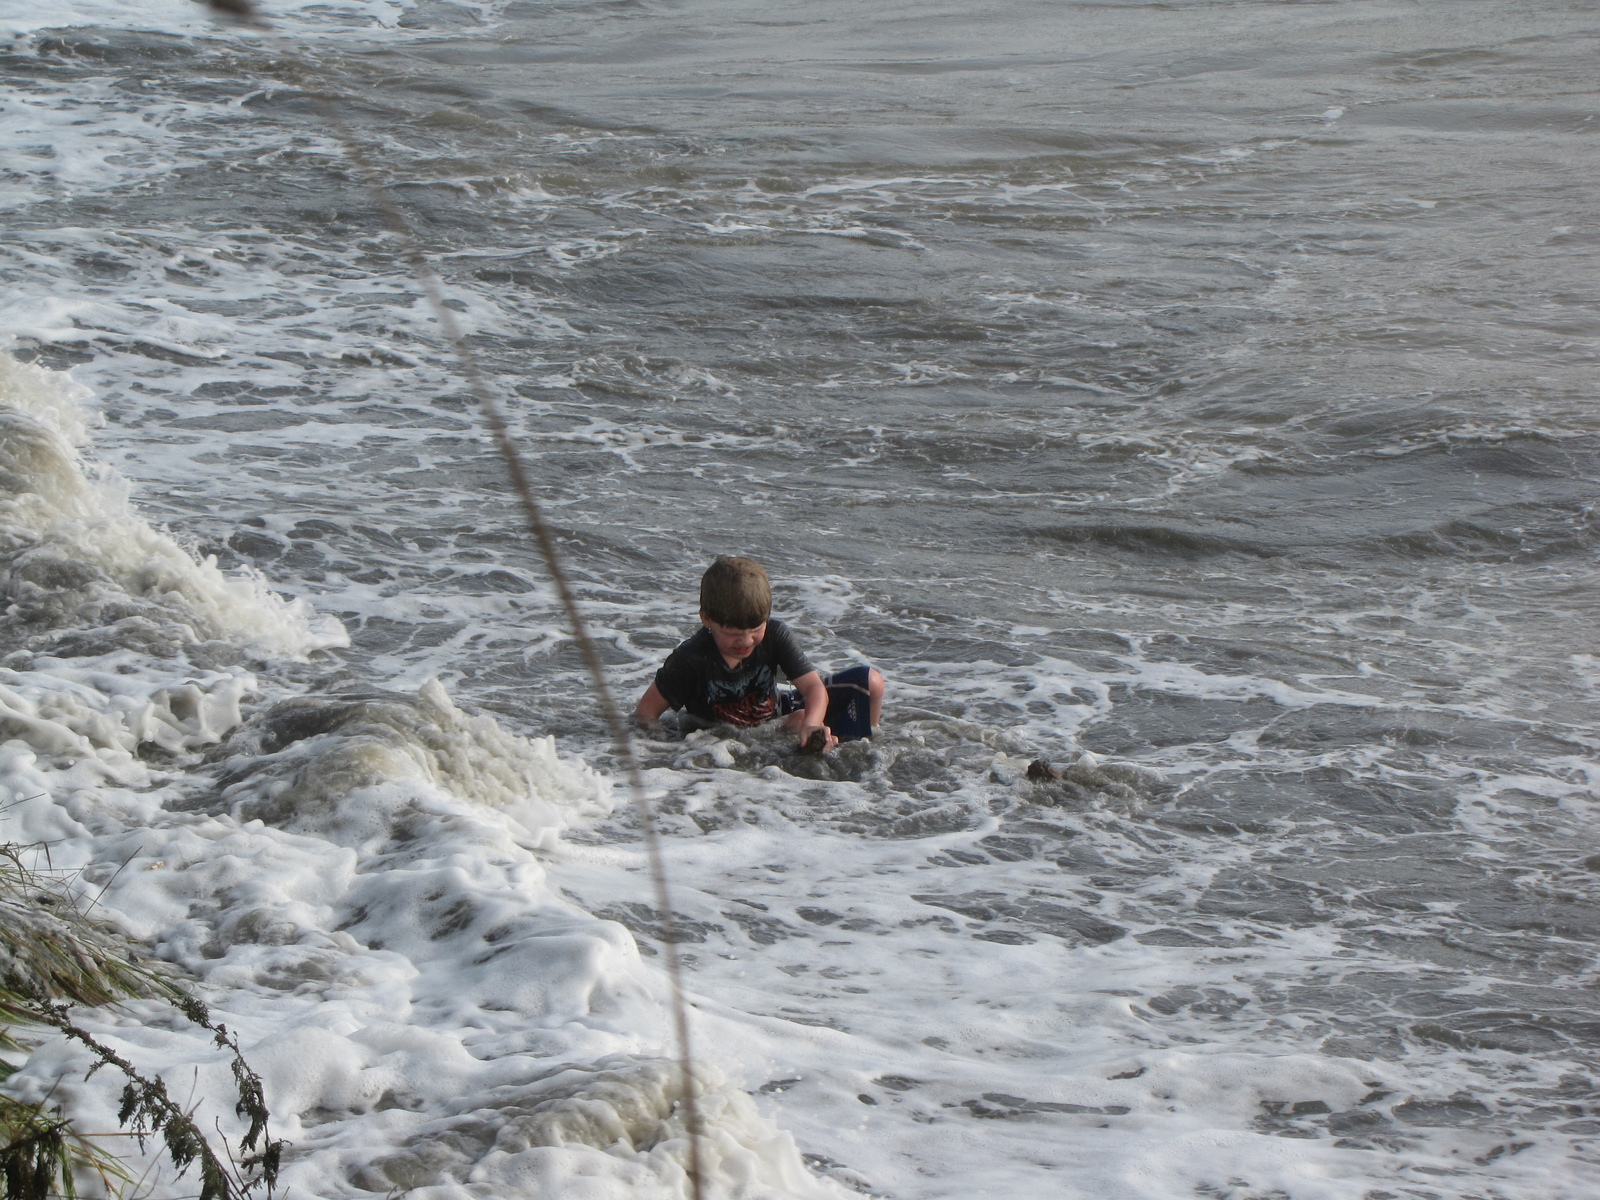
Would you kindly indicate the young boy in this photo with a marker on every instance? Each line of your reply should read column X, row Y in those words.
column 728, row 670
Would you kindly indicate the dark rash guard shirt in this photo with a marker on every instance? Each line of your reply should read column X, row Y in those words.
column 696, row 677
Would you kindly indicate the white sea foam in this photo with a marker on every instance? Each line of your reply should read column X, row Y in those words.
column 424, row 1007
column 105, row 712
column 486, row 988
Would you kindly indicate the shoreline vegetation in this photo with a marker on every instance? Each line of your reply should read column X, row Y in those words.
column 55, row 956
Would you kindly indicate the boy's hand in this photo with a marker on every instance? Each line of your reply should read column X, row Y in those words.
column 813, row 720
column 817, row 739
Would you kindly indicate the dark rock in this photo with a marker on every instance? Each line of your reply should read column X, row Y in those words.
column 1040, row 771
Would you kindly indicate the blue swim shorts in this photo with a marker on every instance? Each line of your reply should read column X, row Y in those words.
column 849, row 703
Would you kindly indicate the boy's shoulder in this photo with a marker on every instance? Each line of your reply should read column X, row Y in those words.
column 697, row 644
column 779, row 632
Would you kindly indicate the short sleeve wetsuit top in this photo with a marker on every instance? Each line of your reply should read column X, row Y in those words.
column 696, row 677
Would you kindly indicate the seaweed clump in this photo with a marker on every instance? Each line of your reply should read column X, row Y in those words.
column 54, row 957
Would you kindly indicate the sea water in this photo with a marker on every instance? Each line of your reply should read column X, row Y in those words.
column 1197, row 396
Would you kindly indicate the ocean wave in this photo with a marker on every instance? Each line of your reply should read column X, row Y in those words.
column 76, row 556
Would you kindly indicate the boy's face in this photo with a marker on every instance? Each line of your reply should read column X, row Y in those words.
column 734, row 643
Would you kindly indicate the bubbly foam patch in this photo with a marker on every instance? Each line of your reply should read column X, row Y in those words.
column 514, row 1137
column 103, row 713
column 300, row 763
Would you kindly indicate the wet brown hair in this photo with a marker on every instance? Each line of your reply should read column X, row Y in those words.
column 734, row 592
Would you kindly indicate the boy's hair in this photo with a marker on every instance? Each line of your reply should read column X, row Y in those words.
column 735, row 592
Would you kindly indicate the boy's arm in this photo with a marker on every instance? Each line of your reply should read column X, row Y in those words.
column 652, row 704
column 816, row 697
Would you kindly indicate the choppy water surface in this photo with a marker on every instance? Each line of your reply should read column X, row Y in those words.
column 1195, row 395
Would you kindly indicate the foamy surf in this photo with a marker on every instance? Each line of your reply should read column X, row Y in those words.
column 353, row 881
column 1236, row 462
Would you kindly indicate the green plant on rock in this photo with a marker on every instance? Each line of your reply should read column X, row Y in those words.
column 53, row 957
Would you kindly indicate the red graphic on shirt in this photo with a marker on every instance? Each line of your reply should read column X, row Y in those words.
column 752, row 708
